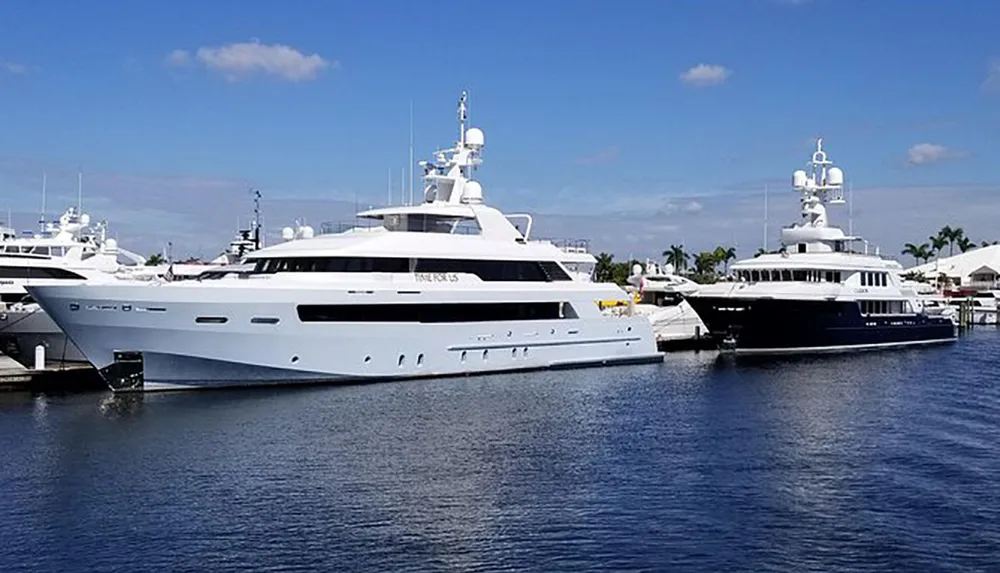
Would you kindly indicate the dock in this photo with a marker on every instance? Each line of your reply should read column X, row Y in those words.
column 70, row 378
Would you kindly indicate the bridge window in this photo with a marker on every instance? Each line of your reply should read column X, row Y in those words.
column 432, row 312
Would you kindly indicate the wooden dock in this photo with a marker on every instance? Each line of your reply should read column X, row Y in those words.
column 16, row 378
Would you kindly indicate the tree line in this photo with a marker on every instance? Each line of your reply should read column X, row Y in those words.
column 702, row 267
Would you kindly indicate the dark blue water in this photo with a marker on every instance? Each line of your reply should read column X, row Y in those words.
column 872, row 462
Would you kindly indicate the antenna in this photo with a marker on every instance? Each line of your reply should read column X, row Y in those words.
column 411, row 152
column 765, row 217
column 41, row 221
column 402, row 184
column 850, row 208
column 256, row 218
column 79, row 192
column 462, row 117
column 389, row 189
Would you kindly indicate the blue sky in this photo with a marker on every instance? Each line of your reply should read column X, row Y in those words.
column 636, row 124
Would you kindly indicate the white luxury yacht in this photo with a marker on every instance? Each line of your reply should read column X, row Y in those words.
column 416, row 298
column 816, row 295
column 68, row 249
column 661, row 299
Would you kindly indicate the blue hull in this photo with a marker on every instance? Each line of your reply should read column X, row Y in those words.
column 765, row 326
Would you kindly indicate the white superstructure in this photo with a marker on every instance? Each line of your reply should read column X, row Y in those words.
column 446, row 287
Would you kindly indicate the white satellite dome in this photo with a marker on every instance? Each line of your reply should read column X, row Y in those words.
column 287, row 234
column 799, row 178
column 834, row 176
column 111, row 244
column 307, row 232
column 475, row 137
column 85, row 219
column 472, row 192
column 637, row 269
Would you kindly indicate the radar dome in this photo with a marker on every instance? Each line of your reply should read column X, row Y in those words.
column 475, row 137
column 473, row 192
column 85, row 219
column 287, row 234
column 111, row 244
column 307, row 232
column 637, row 269
column 834, row 176
column 799, row 178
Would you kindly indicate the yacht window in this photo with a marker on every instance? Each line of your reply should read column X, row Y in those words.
column 36, row 273
column 799, row 276
column 802, row 247
column 486, row 270
column 786, row 275
column 864, row 279
column 431, row 312
column 754, row 276
column 40, row 251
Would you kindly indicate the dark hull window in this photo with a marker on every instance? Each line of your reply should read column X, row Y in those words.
column 509, row 271
column 36, row 273
column 421, row 312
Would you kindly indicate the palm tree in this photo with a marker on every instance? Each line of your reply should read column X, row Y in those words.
column 964, row 244
column 760, row 251
column 728, row 254
column 604, row 269
column 705, row 262
column 939, row 242
column 155, row 259
column 918, row 252
column 988, row 243
column 677, row 257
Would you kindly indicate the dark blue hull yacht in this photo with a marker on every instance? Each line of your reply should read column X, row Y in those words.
column 770, row 326
column 816, row 294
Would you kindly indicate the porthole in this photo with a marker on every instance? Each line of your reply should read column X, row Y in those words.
column 402, row 357
column 486, row 354
column 368, row 359
column 464, row 353
column 420, row 360
column 295, row 358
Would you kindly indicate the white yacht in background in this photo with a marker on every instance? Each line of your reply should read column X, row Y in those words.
column 660, row 295
column 68, row 249
column 419, row 299
column 816, row 295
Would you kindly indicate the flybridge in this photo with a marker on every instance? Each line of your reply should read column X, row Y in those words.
column 453, row 200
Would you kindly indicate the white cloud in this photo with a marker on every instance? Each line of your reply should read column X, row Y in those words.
column 928, row 153
column 178, row 58
column 15, row 68
column 992, row 81
column 244, row 59
column 604, row 156
column 692, row 207
column 704, row 75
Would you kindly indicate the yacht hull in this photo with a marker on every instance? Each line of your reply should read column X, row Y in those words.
column 136, row 346
column 22, row 330
column 783, row 326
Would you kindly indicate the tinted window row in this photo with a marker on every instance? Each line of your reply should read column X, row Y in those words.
column 543, row 271
column 432, row 312
column 797, row 275
column 36, row 273
column 884, row 306
column 874, row 279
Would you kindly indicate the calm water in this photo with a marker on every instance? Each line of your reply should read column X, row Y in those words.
column 873, row 462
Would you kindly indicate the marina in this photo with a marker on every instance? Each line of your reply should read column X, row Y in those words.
column 635, row 287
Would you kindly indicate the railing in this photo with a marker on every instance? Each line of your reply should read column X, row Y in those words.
column 581, row 246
